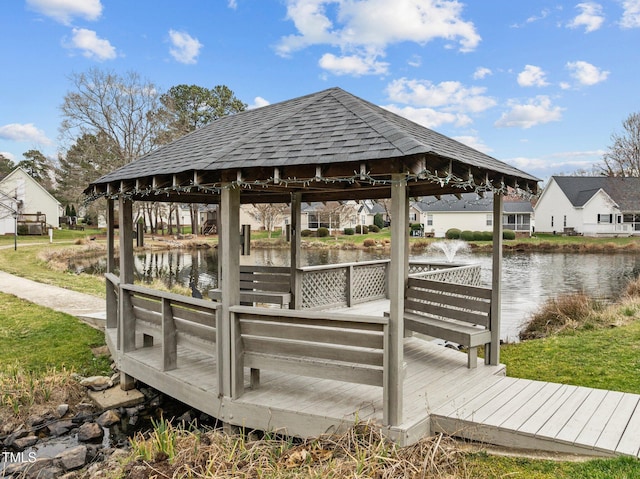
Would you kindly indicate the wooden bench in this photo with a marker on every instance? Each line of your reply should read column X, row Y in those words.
column 262, row 284
column 170, row 320
column 347, row 348
column 454, row 312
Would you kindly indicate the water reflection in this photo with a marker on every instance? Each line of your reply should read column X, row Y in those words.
column 528, row 278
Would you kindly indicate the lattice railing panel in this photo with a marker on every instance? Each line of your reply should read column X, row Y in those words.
column 322, row 288
column 470, row 275
column 369, row 282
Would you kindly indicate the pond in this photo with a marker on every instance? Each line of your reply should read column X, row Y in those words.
column 529, row 279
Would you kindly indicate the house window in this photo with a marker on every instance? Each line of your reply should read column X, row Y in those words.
column 313, row 221
column 429, row 220
column 605, row 219
column 489, row 219
column 565, row 221
column 413, row 217
column 552, row 221
column 363, row 219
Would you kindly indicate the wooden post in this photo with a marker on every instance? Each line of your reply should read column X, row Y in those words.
column 111, row 295
column 492, row 353
column 169, row 338
column 229, row 260
column 294, row 245
column 349, row 285
column 126, row 330
column 394, row 375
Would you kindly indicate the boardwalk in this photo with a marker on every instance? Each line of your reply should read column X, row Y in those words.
column 441, row 395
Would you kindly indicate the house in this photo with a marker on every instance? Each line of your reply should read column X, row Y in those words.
column 590, row 205
column 468, row 211
column 35, row 207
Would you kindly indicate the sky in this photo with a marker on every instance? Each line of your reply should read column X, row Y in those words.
column 541, row 85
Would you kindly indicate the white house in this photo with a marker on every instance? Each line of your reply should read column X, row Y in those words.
column 469, row 212
column 590, row 205
column 35, row 207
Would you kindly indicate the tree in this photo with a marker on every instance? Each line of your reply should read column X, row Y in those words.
column 122, row 108
column 269, row 215
column 189, row 107
column 6, row 166
column 90, row 157
column 623, row 157
column 38, row 167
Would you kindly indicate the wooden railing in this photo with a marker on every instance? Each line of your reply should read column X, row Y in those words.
column 340, row 347
column 469, row 274
column 167, row 318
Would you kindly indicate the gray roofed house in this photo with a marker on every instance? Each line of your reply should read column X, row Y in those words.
column 590, row 205
column 469, row 211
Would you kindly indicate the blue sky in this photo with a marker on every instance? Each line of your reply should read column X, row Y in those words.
column 540, row 85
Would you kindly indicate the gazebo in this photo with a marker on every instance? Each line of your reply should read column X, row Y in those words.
column 329, row 145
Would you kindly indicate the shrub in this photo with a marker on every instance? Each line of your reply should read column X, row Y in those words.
column 477, row 236
column 453, row 233
column 369, row 242
column 362, row 229
column 373, row 228
column 487, row 236
column 306, row 233
column 323, row 232
column 466, row 235
column 378, row 220
column 349, row 231
column 415, row 226
column 508, row 234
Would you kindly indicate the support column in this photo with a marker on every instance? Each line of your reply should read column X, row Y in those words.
column 395, row 371
column 294, row 245
column 492, row 354
column 229, row 283
column 112, row 298
column 126, row 328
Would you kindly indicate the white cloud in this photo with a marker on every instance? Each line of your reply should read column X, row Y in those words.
column 91, row 45
column 590, row 17
column 563, row 162
column 352, row 65
column 481, row 72
column 532, row 76
column 537, row 111
column 64, row 11
column 233, row 4
column 366, row 28
column 586, row 73
column 26, row 132
column 259, row 102
column 631, row 14
column 448, row 95
column 474, row 142
column 415, row 61
column 185, row 48
column 428, row 117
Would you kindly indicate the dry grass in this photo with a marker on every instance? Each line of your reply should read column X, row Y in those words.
column 568, row 312
column 360, row 452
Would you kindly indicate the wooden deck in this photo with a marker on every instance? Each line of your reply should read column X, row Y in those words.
column 441, row 395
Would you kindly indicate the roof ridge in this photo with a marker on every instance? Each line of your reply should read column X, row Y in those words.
column 375, row 110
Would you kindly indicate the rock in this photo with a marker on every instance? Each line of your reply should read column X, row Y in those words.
column 24, row 442
column 90, row 432
column 28, row 467
column 17, row 434
column 108, row 418
column 185, row 418
column 97, row 383
column 62, row 409
column 52, row 472
column 73, row 458
column 59, row 428
column 35, row 420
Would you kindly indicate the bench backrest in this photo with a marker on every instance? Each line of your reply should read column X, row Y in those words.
column 276, row 279
column 340, row 347
column 471, row 304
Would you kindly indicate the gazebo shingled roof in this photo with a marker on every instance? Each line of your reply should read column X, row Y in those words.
column 328, row 145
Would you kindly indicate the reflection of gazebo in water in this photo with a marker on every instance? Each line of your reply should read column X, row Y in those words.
column 299, row 370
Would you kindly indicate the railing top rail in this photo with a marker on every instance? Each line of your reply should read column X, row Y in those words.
column 176, row 298
column 343, row 265
column 112, row 278
column 306, row 314
column 444, row 270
